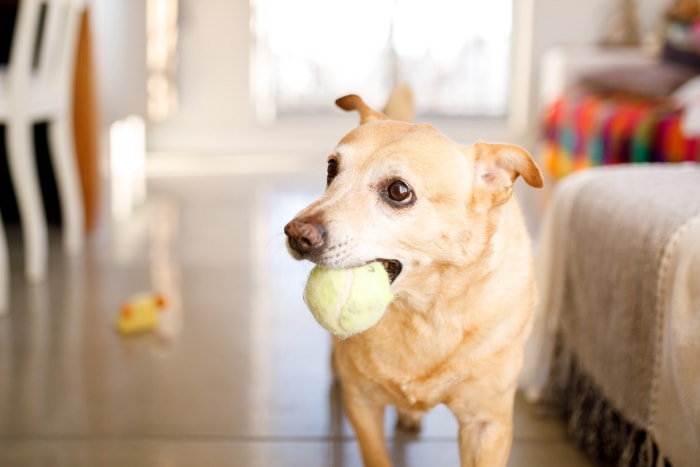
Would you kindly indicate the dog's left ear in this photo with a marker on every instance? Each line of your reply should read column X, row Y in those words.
column 497, row 167
column 354, row 102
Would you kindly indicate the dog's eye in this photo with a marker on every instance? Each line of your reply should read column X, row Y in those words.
column 399, row 192
column 332, row 170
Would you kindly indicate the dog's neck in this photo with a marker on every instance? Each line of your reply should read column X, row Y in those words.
column 436, row 284
column 433, row 282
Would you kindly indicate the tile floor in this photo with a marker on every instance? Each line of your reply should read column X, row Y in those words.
column 238, row 373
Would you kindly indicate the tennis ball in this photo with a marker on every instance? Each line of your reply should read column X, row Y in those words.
column 348, row 301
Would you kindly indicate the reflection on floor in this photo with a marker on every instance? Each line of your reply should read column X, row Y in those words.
column 238, row 373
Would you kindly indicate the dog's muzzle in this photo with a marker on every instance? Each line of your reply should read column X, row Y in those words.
column 304, row 236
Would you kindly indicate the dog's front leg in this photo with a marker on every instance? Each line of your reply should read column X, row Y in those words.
column 367, row 419
column 485, row 436
column 485, row 445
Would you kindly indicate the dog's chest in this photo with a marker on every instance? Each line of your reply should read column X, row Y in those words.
column 419, row 371
column 423, row 391
column 416, row 396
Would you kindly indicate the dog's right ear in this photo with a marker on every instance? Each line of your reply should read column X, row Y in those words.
column 354, row 102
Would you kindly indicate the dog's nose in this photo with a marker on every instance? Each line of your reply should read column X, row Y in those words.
column 304, row 236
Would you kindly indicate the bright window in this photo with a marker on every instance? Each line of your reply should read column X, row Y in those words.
column 454, row 53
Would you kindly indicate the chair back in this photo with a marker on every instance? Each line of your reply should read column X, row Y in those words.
column 44, row 45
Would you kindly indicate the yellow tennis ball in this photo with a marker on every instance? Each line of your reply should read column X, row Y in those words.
column 348, row 301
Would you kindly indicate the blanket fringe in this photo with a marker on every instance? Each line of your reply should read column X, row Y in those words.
column 597, row 427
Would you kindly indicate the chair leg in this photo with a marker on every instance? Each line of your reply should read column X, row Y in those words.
column 22, row 165
column 68, row 184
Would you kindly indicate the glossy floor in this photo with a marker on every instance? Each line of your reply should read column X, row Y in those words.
column 238, row 373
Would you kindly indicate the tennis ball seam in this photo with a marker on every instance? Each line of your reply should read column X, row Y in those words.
column 344, row 298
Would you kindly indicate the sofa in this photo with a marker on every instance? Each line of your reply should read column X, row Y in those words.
column 616, row 345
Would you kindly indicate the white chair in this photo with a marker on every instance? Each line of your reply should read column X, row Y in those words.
column 37, row 86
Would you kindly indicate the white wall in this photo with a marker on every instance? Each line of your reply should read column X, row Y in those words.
column 212, row 74
column 212, row 78
column 119, row 38
column 216, row 113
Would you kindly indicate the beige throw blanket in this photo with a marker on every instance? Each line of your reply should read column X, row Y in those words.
column 617, row 341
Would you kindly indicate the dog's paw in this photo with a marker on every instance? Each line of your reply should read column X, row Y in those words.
column 409, row 421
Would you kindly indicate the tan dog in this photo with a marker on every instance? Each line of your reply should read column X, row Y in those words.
column 441, row 218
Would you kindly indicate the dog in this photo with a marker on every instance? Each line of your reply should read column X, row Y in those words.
column 442, row 220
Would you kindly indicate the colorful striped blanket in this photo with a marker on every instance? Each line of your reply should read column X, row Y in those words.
column 583, row 130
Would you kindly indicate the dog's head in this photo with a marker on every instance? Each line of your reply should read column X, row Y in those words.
column 407, row 195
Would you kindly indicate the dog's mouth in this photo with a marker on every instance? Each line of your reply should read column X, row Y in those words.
column 392, row 266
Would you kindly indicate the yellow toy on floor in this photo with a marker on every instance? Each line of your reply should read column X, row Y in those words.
column 140, row 313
